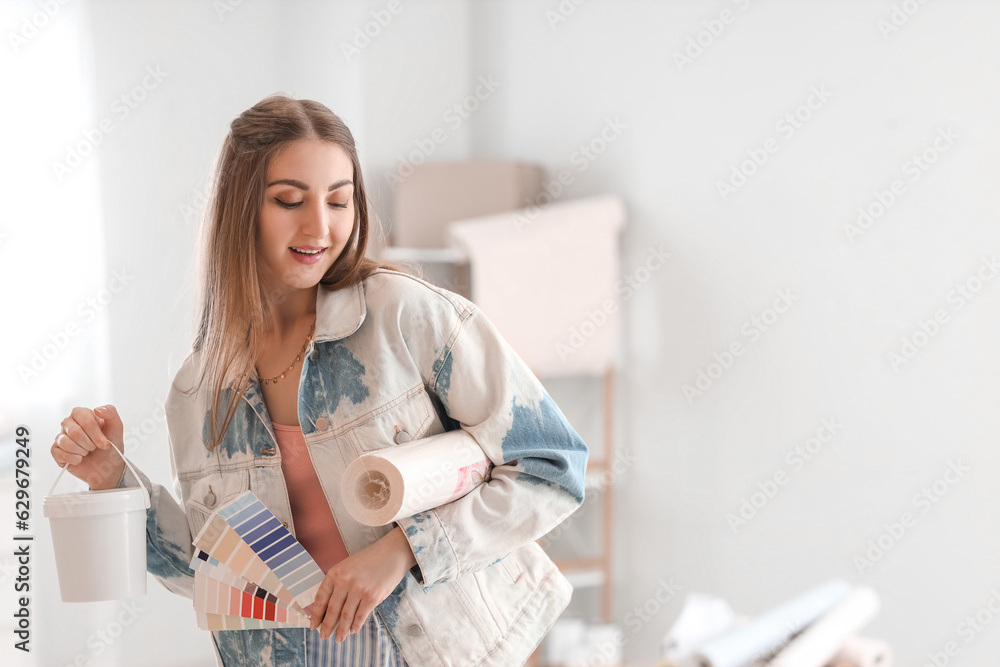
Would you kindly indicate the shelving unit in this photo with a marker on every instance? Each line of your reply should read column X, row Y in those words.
column 436, row 201
column 585, row 572
column 597, row 570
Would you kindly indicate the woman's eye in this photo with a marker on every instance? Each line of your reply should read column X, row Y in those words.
column 336, row 205
column 284, row 204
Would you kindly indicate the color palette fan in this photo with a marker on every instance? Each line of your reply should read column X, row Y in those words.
column 250, row 572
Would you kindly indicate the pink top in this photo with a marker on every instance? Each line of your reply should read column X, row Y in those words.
column 315, row 526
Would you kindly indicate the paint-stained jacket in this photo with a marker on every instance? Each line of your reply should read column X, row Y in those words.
column 394, row 354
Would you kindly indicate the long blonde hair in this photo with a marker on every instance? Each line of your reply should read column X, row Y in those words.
column 235, row 310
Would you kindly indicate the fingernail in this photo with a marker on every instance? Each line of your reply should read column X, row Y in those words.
column 103, row 409
column 107, row 444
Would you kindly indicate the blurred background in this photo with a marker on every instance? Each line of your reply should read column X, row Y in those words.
column 814, row 359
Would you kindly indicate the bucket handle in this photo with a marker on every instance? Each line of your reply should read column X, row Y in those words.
column 145, row 493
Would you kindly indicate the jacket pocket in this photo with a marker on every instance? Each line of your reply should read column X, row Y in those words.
column 404, row 418
column 511, row 567
column 204, row 495
column 479, row 606
column 494, row 597
column 506, row 587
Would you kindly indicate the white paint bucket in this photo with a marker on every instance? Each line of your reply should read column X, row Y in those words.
column 99, row 538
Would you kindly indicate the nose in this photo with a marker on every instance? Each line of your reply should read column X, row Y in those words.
column 314, row 220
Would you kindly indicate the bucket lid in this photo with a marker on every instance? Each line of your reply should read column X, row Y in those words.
column 89, row 503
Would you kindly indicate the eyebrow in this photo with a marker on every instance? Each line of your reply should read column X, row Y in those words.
column 302, row 186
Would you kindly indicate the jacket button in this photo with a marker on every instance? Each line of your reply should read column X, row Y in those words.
column 413, row 630
column 401, row 436
column 314, row 355
column 322, row 423
column 210, row 498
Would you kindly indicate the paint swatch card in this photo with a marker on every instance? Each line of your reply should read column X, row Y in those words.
column 250, row 571
column 215, row 599
column 206, row 565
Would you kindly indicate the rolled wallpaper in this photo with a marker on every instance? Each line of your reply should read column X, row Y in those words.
column 862, row 652
column 762, row 636
column 820, row 642
column 389, row 484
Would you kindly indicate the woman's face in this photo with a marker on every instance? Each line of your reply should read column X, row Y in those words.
column 308, row 207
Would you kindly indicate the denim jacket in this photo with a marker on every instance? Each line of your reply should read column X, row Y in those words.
column 389, row 355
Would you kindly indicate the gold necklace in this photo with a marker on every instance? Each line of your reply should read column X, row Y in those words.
column 298, row 357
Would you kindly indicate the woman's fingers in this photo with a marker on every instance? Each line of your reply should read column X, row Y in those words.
column 365, row 608
column 331, row 618
column 317, row 609
column 74, row 439
column 71, row 446
column 82, row 447
column 88, row 423
column 347, row 617
column 353, row 587
column 81, row 434
column 61, row 456
column 336, row 610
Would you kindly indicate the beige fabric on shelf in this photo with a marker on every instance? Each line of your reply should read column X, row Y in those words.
column 437, row 193
column 546, row 278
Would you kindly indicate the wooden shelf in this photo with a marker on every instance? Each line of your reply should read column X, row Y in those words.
column 587, row 578
column 595, row 468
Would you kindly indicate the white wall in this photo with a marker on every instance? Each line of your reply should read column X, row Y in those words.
column 827, row 356
column 683, row 131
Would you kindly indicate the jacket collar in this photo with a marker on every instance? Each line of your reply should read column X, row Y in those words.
column 339, row 312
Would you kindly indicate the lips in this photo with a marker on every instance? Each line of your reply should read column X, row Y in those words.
column 307, row 249
column 307, row 254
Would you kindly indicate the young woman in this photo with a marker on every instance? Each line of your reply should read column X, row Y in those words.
column 309, row 355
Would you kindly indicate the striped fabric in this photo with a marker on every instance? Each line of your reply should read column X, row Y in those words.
column 371, row 646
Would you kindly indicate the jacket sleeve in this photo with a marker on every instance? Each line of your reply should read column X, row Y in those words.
column 168, row 537
column 539, row 460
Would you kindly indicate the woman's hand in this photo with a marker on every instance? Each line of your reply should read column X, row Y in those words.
column 356, row 584
column 85, row 443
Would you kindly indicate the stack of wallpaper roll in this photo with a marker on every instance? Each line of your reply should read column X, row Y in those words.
column 386, row 485
column 816, row 629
